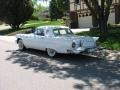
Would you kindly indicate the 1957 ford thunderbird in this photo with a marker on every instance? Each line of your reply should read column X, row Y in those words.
column 56, row 39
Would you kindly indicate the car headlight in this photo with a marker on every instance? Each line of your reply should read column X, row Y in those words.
column 73, row 45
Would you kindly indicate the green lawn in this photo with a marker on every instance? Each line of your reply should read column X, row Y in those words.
column 29, row 25
column 113, row 41
column 35, row 23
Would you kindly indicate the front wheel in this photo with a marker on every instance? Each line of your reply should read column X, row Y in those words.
column 21, row 45
column 51, row 52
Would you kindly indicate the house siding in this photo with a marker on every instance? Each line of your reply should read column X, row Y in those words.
column 86, row 22
column 111, row 19
column 85, row 19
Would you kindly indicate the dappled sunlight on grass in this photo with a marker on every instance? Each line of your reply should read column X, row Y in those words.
column 41, row 23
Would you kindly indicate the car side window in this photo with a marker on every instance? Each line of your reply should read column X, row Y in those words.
column 40, row 32
column 56, row 32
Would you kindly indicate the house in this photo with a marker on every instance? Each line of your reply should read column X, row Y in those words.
column 44, row 14
column 81, row 16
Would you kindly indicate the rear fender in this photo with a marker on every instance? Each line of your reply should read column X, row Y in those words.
column 95, row 38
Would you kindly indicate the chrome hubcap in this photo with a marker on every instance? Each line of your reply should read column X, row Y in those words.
column 51, row 52
column 20, row 44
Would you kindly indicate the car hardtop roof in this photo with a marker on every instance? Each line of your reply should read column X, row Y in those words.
column 52, row 26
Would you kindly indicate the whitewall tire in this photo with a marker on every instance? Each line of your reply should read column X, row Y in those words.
column 51, row 52
column 21, row 45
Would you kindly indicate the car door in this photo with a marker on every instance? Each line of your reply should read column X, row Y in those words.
column 39, row 39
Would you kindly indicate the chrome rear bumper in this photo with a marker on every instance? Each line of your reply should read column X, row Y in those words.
column 82, row 50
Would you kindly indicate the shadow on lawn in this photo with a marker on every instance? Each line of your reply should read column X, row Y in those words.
column 89, row 70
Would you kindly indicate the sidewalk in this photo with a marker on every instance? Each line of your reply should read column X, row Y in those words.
column 8, row 38
column 4, row 27
column 80, row 30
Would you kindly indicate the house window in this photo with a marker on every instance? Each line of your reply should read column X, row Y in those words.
column 76, row 1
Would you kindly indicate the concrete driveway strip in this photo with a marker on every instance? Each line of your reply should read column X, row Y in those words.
column 34, row 70
column 4, row 27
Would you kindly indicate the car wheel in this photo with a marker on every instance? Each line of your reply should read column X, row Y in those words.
column 21, row 45
column 51, row 52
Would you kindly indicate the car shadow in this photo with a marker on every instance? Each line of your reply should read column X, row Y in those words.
column 81, row 67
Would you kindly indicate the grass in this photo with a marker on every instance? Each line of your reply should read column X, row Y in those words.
column 29, row 24
column 35, row 23
column 113, row 40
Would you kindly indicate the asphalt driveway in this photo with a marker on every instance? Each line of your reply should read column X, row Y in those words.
column 34, row 70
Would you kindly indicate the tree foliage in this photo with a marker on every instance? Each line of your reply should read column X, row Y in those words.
column 63, row 5
column 53, row 9
column 38, row 8
column 100, row 9
column 15, row 12
column 58, row 8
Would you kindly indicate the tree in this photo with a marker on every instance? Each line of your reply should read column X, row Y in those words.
column 100, row 9
column 54, row 11
column 15, row 12
column 63, row 6
column 59, row 8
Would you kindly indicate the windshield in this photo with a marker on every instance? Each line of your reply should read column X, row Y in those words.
column 62, row 31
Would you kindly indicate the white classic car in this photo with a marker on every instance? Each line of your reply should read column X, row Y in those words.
column 56, row 39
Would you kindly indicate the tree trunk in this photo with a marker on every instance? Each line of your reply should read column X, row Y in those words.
column 94, row 21
column 15, row 27
column 103, row 28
